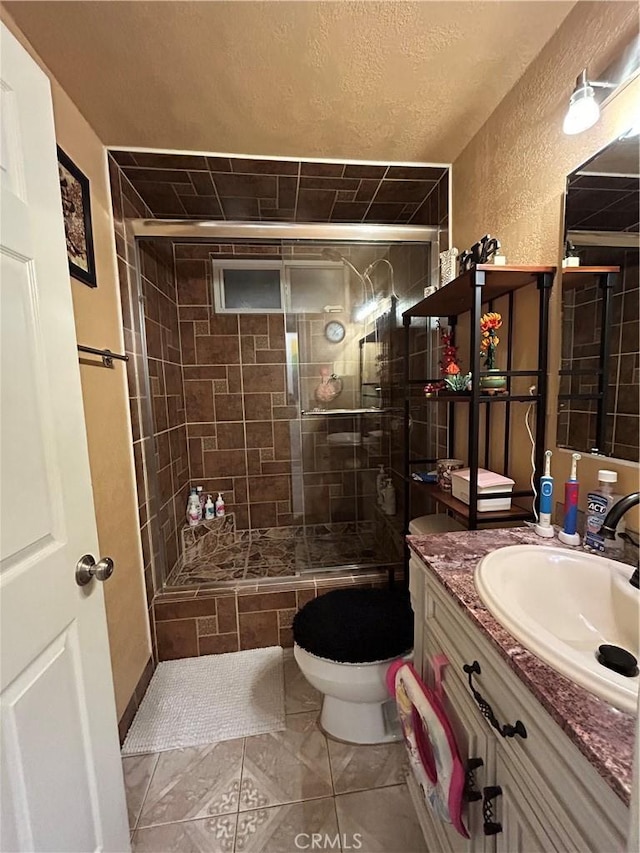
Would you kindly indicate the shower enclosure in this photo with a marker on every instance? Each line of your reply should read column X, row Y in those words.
column 269, row 365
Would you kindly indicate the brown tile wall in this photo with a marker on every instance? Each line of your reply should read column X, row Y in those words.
column 164, row 359
column 237, row 419
column 242, row 434
column 127, row 204
column 214, row 623
column 581, row 332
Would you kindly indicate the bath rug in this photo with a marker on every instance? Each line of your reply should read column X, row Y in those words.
column 197, row 701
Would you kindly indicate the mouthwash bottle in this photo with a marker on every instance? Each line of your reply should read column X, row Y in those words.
column 599, row 502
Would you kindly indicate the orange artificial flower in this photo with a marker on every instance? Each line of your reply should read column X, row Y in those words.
column 487, row 342
column 452, row 369
column 492, row 320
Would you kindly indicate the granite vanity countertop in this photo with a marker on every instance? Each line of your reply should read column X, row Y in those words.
column 602, row 733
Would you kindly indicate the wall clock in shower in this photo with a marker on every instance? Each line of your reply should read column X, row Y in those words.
column 334, row 332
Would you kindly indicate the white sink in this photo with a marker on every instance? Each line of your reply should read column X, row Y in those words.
column 562, row 605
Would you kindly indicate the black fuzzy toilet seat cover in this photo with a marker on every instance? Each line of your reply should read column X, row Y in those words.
column 356, row 625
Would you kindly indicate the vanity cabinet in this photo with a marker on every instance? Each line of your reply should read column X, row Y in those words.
column 533, row 794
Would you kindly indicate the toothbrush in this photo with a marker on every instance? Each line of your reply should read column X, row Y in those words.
column 569, row 534
column 544, row 527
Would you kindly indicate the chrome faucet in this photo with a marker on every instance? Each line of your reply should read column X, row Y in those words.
column 612, row 518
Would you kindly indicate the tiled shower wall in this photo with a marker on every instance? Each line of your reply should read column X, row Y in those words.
column 164, row 361
column 127, row 204
column 245, row 433
column 238, row 423
column 581, row 332
column 157, row 410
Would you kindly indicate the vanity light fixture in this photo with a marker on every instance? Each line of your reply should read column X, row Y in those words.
column 584, row 110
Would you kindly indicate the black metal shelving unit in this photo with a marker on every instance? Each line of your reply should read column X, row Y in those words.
column 606, row 279
column 468, row 293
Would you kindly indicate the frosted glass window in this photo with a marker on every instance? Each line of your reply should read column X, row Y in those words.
column 312, row 288
column 252, row 289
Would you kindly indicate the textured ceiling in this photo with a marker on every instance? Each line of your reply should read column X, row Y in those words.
column 402, row 81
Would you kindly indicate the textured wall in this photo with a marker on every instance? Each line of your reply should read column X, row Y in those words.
column 510, row 179
column 97, row 318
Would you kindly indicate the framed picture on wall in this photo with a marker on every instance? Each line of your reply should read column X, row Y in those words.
column 76, row 209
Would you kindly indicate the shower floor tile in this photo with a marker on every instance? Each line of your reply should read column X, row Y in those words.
column 341, row 550
column 282, row 552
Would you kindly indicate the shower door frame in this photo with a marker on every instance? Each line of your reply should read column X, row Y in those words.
column 215, row 231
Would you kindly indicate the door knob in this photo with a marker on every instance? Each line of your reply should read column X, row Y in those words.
column 87, row 568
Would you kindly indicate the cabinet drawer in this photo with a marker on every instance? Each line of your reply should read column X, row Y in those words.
column 565, row 786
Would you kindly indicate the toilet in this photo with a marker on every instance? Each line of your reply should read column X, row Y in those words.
column 344, row 643
column 437, row 523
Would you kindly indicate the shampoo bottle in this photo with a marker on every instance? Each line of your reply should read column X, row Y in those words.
column 219, row 505
column 389, row 498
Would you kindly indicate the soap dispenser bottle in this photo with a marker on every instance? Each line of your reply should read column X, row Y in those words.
column 194, row 510
column 209, row 509
column 219, row 506
column 389, row 498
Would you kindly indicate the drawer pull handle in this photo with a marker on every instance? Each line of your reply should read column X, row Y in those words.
column 489, row 825
column 504, row 731
column 471, row 793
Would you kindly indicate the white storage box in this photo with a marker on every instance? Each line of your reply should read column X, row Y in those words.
column 488, row 484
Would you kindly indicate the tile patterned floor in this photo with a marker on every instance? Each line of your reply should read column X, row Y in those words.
column 256, row 794
column 276, row 552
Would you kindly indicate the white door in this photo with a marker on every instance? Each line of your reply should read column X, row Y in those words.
column 61, row 786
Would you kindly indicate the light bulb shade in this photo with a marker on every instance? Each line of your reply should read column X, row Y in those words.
column 583, row 111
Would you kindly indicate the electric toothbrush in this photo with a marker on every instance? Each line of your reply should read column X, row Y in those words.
column 544, row 527
column 569, row 534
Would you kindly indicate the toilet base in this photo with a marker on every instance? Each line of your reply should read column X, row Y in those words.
column 360, row 722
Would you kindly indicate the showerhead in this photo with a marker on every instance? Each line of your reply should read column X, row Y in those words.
column 333, row 255
column 365, row 281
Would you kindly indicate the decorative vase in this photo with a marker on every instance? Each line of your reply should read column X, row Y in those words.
column 493, row 382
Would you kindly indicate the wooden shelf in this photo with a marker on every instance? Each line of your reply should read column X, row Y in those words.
column 456, row 297
column 461, row 509
column 577, row 276
column 483, row 398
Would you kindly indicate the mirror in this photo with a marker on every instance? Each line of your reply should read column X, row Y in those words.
column 598, row 405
